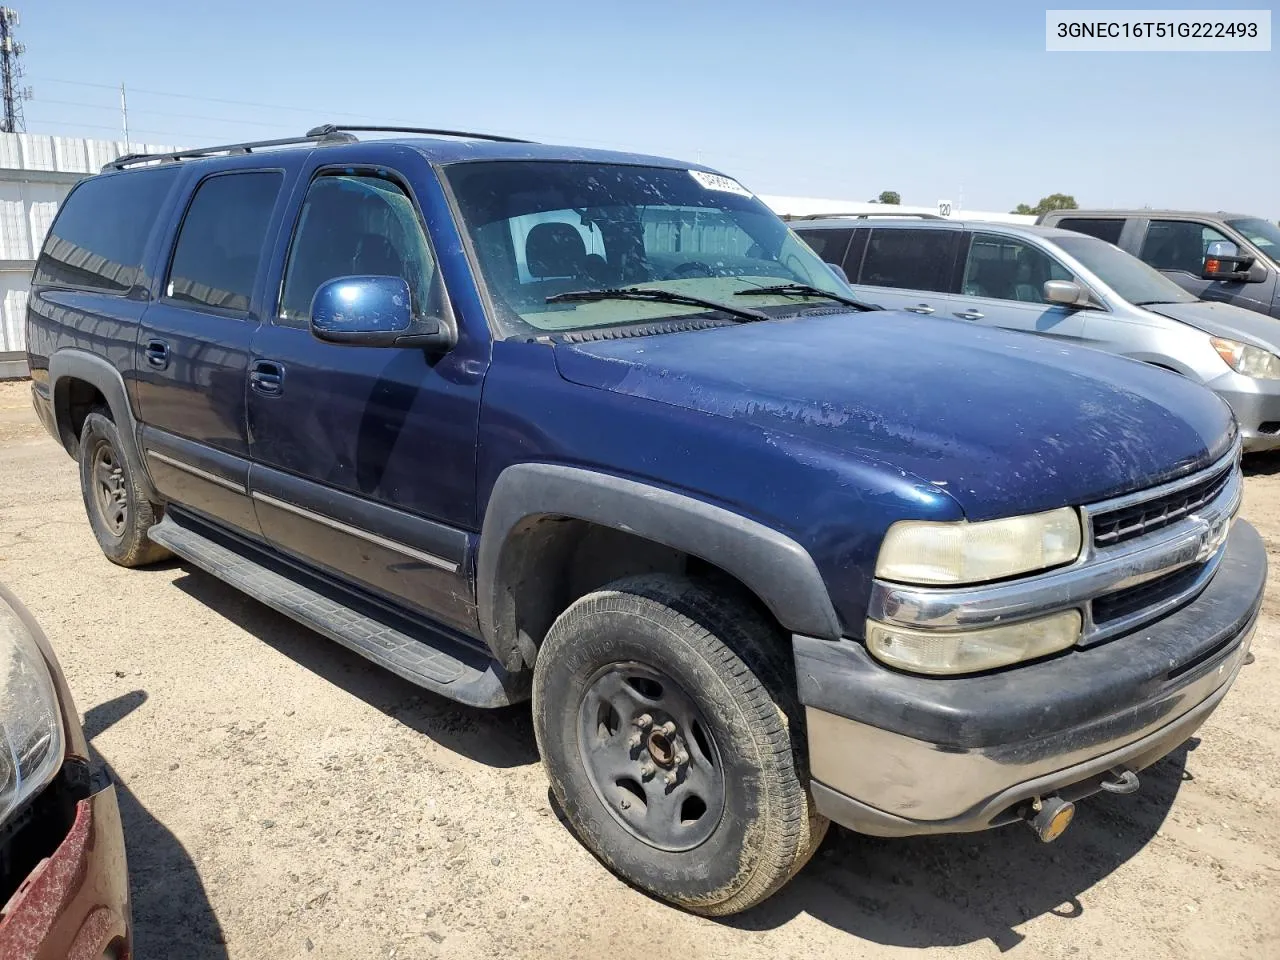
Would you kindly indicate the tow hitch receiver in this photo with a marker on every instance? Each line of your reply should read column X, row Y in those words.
column 1050, row 817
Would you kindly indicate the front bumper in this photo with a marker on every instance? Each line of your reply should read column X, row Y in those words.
column 1256, row 405
column 75, row 903
column 894, row 754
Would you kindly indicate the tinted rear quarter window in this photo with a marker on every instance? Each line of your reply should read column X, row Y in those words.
column 830, row 245
column 910, row 259
column 215, row 260
column 98, row 238
column 1107, row 229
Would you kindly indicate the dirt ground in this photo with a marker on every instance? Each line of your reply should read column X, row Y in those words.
column 282, row 798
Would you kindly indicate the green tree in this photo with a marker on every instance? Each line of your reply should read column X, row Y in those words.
column 1054, row 201
column 888, row 196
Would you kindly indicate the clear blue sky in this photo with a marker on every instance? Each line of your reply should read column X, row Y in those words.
column 827, row 99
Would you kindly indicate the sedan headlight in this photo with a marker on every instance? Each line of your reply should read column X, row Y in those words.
column 31, row 738
column 1246, row 359
column 928, row 552
column 971, row 651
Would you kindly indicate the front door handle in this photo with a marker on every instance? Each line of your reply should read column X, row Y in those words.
column 267, row 377
column 970, row 315
column 157, row 353
column 923, row 308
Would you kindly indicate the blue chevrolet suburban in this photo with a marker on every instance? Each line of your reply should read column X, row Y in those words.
column 596, row 430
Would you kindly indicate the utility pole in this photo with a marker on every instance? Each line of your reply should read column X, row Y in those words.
column 124, row 116
column 10, row 73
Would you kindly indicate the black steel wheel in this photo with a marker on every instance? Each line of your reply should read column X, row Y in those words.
column 650, row 756
column 666, row 717
column 119, row 512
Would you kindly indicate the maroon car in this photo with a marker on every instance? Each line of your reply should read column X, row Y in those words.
column 63, row 880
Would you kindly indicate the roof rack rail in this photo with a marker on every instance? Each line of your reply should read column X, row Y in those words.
column 331, row 128
column 860, row 216
column 133, row 159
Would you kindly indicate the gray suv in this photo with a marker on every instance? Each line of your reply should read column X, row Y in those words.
column 1225, row 257
column 1062, row 284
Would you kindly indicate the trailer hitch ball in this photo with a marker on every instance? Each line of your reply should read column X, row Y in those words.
column 1052, row 818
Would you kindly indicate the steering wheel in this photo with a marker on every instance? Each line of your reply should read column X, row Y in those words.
column 691, row 267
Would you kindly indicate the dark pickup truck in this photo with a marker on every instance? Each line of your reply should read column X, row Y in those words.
column 519, row 421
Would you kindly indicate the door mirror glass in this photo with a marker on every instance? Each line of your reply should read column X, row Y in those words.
column 365, row 311
column 1065, row 292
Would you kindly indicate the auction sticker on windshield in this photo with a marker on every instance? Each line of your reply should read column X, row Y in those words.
column 714, row 181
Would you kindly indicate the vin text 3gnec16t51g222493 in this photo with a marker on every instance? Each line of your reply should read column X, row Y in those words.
column 595, row 429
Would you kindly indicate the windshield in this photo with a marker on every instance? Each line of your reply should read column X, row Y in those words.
column 543, row 228
column 1263, row 234
column 1128, row 276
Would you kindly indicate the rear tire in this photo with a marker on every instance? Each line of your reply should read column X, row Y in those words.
column 119, row 512
column 666, row 717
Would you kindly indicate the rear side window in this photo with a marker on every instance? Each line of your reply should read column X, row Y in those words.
column 98, row 239
column 1104, row 229
column 215, row 260
column 910, row 259
column 830, row 245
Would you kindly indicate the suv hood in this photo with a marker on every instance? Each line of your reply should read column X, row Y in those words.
column 1007, row 423
column 1224, row 320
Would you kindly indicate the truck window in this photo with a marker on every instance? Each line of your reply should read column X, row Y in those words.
column 910, row 259
column 219, row 248
column 1104, row 228
column 355, row 225
column 1178, row 244
column 98, row 238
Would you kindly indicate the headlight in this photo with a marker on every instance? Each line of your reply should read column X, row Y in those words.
column 31, row 744
column 971, row 651
column 923, row 551
column 1247, row 360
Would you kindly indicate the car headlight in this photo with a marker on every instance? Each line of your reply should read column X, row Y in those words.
column 929, row 552
column 1246, row 359
column 31, row 737
column 971, row 651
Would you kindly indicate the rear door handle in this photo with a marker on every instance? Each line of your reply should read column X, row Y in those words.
column 157, row 353
column 970, row 315
column 267, row 377
column 920, row 308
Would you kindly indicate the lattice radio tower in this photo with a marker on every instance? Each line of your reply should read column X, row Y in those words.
column 11, row 73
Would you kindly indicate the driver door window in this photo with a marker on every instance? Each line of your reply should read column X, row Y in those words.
column 1178, row 245
column 353, row 225
column 1003, row 268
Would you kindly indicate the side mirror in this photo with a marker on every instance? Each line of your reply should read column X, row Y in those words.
column 373, row 312
column 1068, row 293
column 1222, row 261
column 839, row 271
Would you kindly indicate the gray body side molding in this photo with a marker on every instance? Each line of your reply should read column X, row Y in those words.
column 776, row 568
column 93, row 369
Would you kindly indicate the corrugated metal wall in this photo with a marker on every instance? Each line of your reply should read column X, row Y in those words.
column 36, row 172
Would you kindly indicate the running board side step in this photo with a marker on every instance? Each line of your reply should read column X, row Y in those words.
column 426, row 657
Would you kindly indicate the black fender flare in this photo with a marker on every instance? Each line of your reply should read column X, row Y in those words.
column 73, row 363
column 772, row 565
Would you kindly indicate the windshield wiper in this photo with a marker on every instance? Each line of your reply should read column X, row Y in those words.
column 744, row 314
column 805, row 290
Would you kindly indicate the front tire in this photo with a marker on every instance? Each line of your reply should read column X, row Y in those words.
column 666, row 718
column 119, row 513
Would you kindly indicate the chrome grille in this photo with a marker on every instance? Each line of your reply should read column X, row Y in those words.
column 1147, row 516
